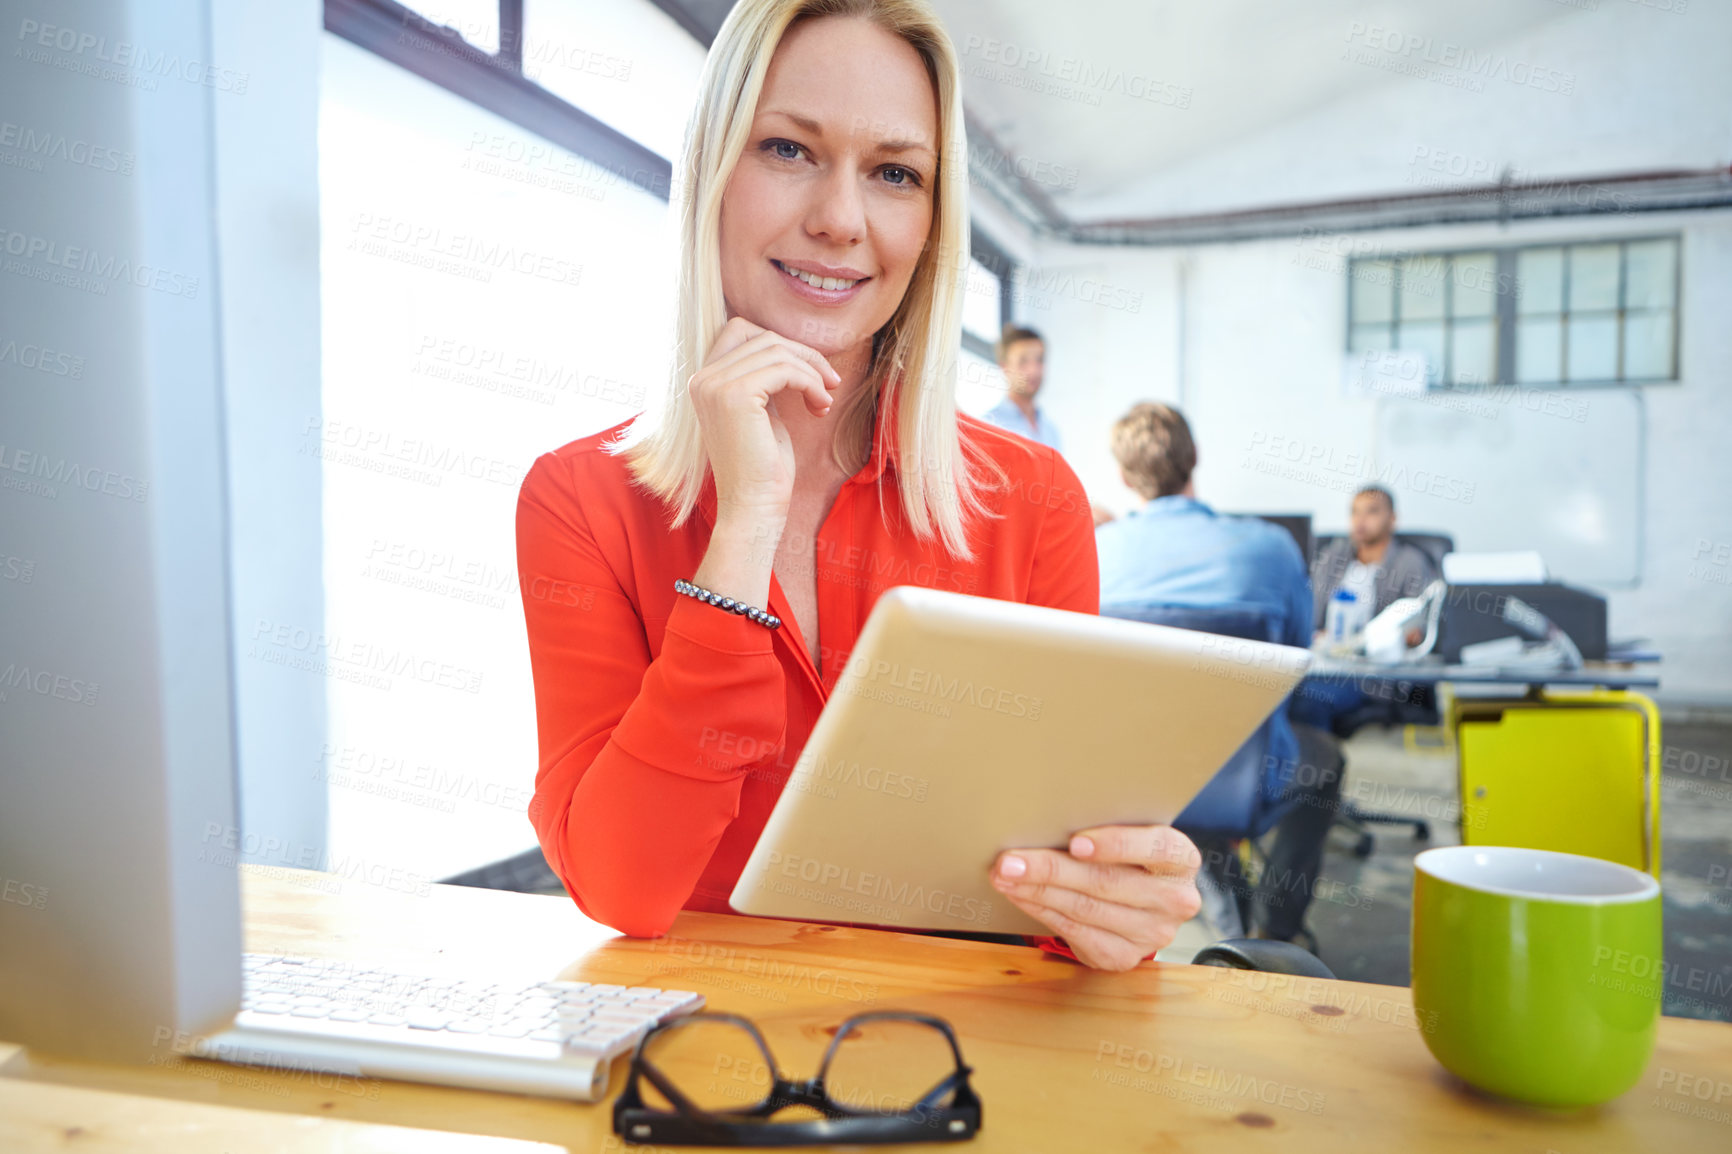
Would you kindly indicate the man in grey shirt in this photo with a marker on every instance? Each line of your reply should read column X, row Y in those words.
column 1376, row 567
column 1370, row 560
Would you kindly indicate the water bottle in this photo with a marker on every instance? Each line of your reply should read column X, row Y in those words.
column 1341, row 618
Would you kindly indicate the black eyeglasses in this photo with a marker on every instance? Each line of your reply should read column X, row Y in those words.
column 709, row 1080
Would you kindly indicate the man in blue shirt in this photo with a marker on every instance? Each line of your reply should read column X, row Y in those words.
column 1176, row 551
column 1022, row 358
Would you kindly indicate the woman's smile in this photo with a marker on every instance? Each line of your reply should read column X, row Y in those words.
column 809, row 282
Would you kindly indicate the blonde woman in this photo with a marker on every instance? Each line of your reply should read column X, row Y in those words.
column 807, row 456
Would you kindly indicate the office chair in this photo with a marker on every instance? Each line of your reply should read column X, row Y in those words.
column 1235, row 803
column 1433, row 545
column 1245, row 798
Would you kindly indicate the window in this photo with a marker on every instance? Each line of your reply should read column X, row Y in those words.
column 980, row 384
column 980, row 304
column 1442, row 305
column 1597, row 312
column 1604, row 312
column 986, row 299
column 628, row 65
column 489, row 294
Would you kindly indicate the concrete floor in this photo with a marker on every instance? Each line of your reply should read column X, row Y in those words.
column 1362, row 932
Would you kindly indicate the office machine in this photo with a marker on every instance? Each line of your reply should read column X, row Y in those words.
column 1474, row 614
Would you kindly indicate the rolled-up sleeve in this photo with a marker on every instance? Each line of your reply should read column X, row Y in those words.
column 630, row 798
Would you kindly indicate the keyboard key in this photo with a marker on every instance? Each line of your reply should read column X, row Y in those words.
column 607, row 1040
column 622, row 1018
column 420, row 1018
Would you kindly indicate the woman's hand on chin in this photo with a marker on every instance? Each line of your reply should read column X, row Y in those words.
column 746, row 369
column 1117, row 896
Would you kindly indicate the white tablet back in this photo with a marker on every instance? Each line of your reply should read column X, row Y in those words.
column 963, row 726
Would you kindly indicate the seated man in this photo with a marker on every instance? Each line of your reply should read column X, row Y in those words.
column 1175, row 550
column 1369, row 560
column 1379, row 570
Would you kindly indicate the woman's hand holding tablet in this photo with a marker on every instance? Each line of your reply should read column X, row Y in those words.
column 1120, row 893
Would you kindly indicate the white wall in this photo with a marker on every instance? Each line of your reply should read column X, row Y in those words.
column 1263, row 346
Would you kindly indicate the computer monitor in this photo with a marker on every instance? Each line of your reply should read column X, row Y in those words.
column 119, row 899
column 1298, row 524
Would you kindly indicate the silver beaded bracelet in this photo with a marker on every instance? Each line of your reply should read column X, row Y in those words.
column 767, row 620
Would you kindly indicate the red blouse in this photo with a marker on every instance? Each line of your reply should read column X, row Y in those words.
column 668, row 727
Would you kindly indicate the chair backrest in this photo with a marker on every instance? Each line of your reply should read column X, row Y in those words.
column 1226, row 620
column 1246, row 796
column 1433, row 545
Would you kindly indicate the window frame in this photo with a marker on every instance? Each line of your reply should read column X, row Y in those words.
column 1505, row 316
column 1002, row 268
column 495, row 81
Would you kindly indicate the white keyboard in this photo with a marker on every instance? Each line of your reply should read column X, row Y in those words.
column 556, row 1039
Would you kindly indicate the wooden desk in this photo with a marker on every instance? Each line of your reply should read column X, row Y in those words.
column 1066, row 1059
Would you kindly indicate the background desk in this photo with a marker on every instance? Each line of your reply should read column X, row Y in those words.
column 1552, row 760
column 1606, row 674
column 1211, row 1059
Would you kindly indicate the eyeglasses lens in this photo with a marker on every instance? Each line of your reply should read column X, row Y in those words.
column 886, row 1066
column 717, row 1065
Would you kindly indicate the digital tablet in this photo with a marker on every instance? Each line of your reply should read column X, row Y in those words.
column 963, row 726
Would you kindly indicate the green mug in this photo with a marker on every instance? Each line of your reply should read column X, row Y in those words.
column 1536, row 975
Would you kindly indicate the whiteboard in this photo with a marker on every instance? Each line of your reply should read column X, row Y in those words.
column 1520, row 468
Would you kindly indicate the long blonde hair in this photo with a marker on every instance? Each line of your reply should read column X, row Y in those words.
column 915, row 354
